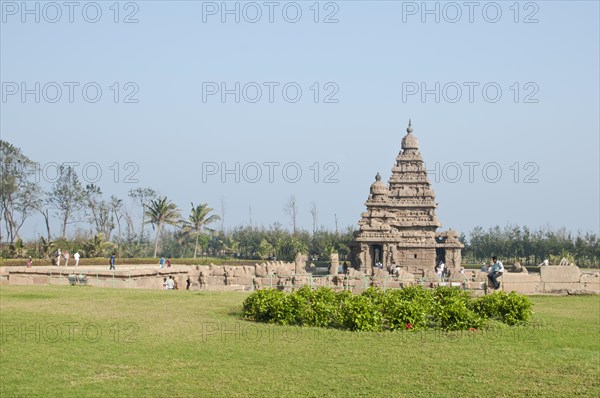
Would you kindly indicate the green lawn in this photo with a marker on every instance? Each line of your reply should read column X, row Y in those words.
column 90, row 342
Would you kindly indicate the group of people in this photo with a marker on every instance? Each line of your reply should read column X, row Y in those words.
column 162, row 262
column 442, row 271
column 494, row 271
column 58, row 255
column 170, row 283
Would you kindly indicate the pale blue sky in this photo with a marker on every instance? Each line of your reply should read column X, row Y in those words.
column 370, row 54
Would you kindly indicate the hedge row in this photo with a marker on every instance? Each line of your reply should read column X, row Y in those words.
column 413, row 307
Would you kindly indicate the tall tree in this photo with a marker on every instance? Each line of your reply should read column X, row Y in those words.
column 116, row 206
column 143, row 196
column 67, row 196
column 292, row 210
column 19, row 195
column 315, row 214
column 99, row 210
column 161, row 211
column 198, row 219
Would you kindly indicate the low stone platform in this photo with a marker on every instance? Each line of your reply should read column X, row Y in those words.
column 288, row 276
column 138, row 276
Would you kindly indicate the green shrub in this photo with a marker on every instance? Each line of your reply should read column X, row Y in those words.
column 360, row 313
column 453, row 313
column 511, row 308
column 323, row 308
column 402, row 314
column 265, row 305
column 374, row 310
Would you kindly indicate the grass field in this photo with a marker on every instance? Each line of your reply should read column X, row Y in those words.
column 91, row 342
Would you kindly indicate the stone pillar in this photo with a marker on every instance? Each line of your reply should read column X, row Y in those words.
column 300, row 263
column 334, row 262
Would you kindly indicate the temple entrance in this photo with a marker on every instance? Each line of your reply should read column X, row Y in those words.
column 440, row 255
column 376, row 255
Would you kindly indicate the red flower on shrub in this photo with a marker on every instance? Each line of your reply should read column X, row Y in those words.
column 408, row 326
column 472, row 329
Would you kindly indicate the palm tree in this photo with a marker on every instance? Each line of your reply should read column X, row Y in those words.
column 96, row 246
column 161, row 211
column 198, row 219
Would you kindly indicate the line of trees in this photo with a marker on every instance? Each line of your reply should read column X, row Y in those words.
column 111, row 226
column 531, row 247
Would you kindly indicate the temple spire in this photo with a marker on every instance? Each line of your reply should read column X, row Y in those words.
column 409, row 129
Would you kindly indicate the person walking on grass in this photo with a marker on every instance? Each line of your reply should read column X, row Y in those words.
column 76, row 257
column 112, row 262
column 162, row 262
column 496, row 272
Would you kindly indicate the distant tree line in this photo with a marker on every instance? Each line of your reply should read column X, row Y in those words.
column 531, row 247
column 107, row 225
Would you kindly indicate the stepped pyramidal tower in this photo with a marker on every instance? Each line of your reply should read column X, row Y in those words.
column 399, row 226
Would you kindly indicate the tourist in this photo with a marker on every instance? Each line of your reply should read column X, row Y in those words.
column 462, row 270
column 485, row 267
column 175, row 284
column 112, row 262
column 161, row 262
column 76, row 257
column 29, row 262
column 544, row 263
column 188, row 283
column 496, row 272
column 441, row 270
column 66, row 255
column 58, row 254
column 164, row 283
column 168, row 263
column 170, row 284
column 345, row 267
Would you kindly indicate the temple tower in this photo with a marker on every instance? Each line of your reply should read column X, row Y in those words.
column 399, row 226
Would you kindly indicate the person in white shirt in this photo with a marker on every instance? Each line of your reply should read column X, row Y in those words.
column 66, row 255
column 170, row 284
column 58, row 254
column 496, row 272
column 440, row 270
column 76, row 257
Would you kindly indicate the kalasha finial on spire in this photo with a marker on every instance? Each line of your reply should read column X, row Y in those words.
column 409, row 129
column 378, row 177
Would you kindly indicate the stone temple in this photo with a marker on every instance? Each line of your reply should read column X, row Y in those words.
column 399, row 226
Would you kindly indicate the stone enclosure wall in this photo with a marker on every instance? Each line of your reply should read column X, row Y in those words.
column 286, row 276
